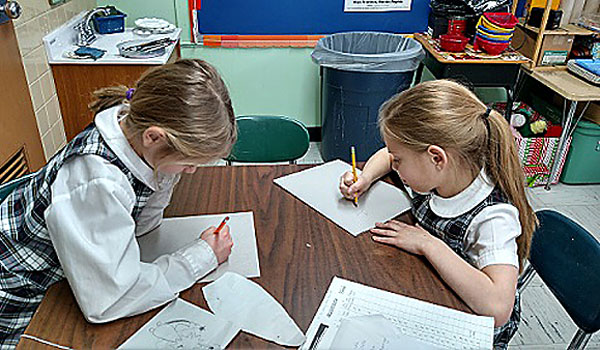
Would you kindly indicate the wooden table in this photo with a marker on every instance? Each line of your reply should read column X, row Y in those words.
column 299, row 250
column 573, row 90
column 481, row 71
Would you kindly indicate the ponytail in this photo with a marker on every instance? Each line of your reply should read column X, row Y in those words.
column 108, row 97
column 504, row 168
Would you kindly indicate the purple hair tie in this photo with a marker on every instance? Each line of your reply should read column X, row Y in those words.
column 129, row 94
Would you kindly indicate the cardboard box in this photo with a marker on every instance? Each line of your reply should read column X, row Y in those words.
column 555, row 47
column 592, row 113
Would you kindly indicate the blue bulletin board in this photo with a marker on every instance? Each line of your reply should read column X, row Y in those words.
column 299, row 17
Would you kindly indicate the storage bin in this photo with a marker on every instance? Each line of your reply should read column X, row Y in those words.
column 536, row 153
column 113, row 23
column 583, row 162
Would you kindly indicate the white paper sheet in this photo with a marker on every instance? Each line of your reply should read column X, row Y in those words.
column 183, row 325
column 175, row 233
column 318, row 187
column 246, row 304
column 426, row 322
column 374, row 332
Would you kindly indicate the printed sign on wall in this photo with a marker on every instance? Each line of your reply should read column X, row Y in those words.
column 376, row 5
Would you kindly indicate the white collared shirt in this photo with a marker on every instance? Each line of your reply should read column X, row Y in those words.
column 94, row 235
column 491, row 237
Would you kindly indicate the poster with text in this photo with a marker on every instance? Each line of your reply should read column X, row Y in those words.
column 376, row 5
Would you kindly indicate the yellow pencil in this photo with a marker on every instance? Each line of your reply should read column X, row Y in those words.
column 353, row 153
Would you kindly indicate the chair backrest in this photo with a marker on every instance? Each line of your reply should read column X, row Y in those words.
column 269, row 139
column 567, row 258
column 7, row 188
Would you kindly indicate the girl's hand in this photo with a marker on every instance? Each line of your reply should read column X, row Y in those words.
column 413, row 239
column 349, row 188
column 221, row 243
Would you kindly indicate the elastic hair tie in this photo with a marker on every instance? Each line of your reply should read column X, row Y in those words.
column 486, row 115
column 129, row 94
column 486, row 121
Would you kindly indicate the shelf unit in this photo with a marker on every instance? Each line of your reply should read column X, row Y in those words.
column 566, row 30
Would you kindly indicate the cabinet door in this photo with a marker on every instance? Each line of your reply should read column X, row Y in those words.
column 20, row 145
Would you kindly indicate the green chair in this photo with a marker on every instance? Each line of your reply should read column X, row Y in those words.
column 269, row 139
column 567, row 258
column 7, row 188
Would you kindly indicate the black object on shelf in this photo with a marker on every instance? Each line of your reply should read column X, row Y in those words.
column 535, row 18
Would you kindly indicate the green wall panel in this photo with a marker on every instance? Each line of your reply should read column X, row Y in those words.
column 281, row 81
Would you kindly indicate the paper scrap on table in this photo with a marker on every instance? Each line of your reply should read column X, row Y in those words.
column 175, row 233
column 183, row 325
column 243, row 302
column 374, row 332
column 318, row 187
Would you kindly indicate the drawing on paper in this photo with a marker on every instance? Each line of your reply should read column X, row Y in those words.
column 181, row 334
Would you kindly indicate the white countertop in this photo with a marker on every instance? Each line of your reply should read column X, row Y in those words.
column 64, row 37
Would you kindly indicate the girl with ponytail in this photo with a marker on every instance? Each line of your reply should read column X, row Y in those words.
column 458, row 161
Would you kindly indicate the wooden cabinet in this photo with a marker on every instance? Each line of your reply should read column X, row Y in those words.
column 75, row 84
column 20, row 145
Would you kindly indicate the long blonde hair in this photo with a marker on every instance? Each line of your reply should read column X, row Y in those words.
column 447, row 114
column 188, row 99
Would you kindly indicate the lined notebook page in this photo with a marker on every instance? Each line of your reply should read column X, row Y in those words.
column 427, row 322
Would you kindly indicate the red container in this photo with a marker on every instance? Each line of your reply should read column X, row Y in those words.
column 502, row 19
column 490, row 47
column 457, row 25
column 453, row 42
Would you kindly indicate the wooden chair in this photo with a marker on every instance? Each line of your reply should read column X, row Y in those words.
column 567, row 259
column 269, row 139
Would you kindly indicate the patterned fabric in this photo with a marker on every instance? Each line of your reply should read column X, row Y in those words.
column 28, row 262
column 452, row 231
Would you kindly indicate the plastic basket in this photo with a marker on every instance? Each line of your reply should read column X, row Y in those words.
column 114, row 23
column 501, row 20
column 494, row 34
column 489, row 46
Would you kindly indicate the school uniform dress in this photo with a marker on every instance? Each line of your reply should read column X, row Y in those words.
column 78, row 217
column 481, row 226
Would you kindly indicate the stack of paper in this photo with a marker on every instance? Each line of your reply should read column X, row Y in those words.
column 423, row 322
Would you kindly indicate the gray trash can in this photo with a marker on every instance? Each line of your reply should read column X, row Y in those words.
column 360, row 71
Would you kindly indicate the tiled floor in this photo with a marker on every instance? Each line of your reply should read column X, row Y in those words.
column 544, row 325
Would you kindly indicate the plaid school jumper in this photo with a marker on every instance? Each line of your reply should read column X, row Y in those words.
column 452, row 231
column 28, row 262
